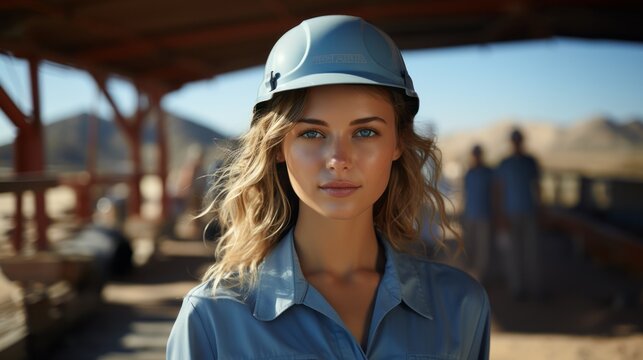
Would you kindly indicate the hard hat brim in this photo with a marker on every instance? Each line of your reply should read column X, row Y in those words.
column 333, row 79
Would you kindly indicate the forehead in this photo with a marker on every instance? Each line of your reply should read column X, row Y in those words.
column 348, row 100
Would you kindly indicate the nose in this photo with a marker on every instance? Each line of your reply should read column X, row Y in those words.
column 339, row 155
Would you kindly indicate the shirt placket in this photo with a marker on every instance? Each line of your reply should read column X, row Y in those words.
column 347, row 347
column 345, row 344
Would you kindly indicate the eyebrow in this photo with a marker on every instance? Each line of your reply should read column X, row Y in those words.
column 359, row 121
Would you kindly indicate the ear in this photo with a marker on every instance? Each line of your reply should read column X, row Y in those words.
column 398, row 151
column 280, row 155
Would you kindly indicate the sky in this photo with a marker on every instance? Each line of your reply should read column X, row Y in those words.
column 561, row 81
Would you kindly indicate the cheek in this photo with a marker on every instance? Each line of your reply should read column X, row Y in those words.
column 301, row 161
column 301, row 156
column 381, row 171
column 376, row 167
column 379, row 157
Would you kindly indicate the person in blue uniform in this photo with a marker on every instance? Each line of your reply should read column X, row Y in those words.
column 518, row 189
column 319, row 211
column 477, row 215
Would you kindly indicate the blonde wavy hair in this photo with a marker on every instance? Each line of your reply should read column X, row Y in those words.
column 254, row 203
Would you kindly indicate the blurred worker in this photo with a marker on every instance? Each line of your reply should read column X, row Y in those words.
column 518, row 206
column 477, row 213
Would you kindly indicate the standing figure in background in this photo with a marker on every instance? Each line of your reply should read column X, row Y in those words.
column 477, row 213
column 518, row 203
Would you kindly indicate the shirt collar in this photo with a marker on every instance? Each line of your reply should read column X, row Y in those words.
column 282, row 284
column 405, row 277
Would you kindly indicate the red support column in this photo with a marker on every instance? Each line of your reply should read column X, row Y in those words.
column 20, row 165
column 162, row 158
column 36, row 156
column 28, row 156
column 131, row 128
column 136, row 199
column 83, row 188
column 16, row 239
column 137, row 122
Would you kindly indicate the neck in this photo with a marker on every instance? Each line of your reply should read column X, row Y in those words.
column 335, row 247
column 518, row 150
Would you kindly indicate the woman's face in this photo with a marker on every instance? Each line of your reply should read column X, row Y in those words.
column 339, row 153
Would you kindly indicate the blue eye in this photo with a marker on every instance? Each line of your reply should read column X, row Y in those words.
column 365, row 133
column 311, row 134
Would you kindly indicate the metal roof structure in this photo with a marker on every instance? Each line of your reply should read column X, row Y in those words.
column 161, row 45
column 168, row 43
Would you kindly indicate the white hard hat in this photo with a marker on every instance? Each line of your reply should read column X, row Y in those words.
column 335, row 49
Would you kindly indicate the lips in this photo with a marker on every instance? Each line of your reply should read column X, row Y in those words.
column 339, row 188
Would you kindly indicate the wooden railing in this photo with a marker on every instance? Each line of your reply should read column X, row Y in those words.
column 82, row 184
column 600, row 214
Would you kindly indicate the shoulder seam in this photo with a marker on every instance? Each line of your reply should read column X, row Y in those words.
column 198, row 315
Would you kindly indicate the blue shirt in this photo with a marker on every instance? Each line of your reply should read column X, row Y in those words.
column 422, row 310
column 477, row 191
column 518, row 178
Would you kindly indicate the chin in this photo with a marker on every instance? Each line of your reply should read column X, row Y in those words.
column 341, row 213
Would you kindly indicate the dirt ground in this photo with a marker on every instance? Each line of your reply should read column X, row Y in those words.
column 589, row 312
column 535, row 347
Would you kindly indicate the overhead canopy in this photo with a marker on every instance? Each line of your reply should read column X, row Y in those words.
column 168, row 43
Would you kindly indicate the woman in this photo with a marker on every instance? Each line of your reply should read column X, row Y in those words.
column 319, row 210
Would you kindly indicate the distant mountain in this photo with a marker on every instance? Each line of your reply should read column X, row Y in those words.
column 635, row 126
column 66, row 144
column 601, row 134
column 596, row 146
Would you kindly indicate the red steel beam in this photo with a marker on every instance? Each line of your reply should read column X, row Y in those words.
column 179, row 68
column 279, row 9
column 136, row 198
column 83, row 189
column 274, row 26
column 163, row 158
column 92, row 26
column 37, row 156
column 17, row 238
column 12, row 111
column 123, row 124
column 26, row 48
column 217, row 36
column 131, row 128
column 129, row 39
column 19, row 163
column 132, row 45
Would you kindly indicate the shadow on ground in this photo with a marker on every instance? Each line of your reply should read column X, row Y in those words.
column 582, row 298
column 137, row 311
